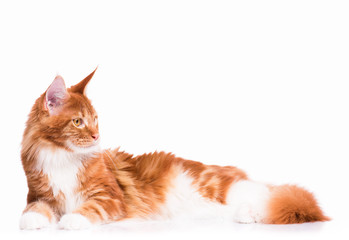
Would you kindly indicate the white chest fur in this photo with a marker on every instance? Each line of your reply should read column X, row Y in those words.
column 62, row 168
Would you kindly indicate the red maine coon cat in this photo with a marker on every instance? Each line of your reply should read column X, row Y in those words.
column 74, row 183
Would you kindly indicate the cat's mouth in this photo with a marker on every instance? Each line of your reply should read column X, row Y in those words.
column 87, row 147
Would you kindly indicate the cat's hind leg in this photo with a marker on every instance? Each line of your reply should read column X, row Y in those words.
column 247, row 201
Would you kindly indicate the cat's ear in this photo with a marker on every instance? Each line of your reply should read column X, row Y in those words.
column 55, row 95
column 81, row 86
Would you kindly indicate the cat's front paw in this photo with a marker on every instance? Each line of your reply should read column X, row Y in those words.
column 33, row 220
column 74, row 221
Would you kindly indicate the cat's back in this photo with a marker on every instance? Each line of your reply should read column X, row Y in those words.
column 155, row 184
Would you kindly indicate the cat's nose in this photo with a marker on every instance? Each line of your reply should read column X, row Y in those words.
column 95, row 136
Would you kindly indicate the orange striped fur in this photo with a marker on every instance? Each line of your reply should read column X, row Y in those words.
column 69, row 178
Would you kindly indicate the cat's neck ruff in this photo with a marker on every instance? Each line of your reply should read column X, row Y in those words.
column 51, row 158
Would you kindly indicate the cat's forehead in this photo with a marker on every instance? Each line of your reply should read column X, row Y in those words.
column 81, row 105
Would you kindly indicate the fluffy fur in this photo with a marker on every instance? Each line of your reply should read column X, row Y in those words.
column 73, row 182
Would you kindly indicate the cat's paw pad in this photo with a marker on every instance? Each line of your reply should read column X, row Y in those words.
column 74, row 221
column 33, row 220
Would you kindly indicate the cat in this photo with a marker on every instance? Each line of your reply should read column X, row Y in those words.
column 74, row 183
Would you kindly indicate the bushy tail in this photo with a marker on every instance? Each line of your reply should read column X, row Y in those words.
column 291, row 204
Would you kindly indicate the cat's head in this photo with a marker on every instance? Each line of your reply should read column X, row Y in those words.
column 65, row 118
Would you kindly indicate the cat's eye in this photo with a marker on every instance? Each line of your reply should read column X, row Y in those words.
column 78, row 122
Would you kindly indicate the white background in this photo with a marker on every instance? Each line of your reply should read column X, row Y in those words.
column 262, row 85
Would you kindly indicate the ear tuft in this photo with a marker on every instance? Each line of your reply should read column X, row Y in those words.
column 81, row 86
column 55, row 95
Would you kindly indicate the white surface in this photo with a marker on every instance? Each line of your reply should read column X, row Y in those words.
column 262, row 85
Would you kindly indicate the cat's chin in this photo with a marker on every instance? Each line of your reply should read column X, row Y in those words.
column 95, row 148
